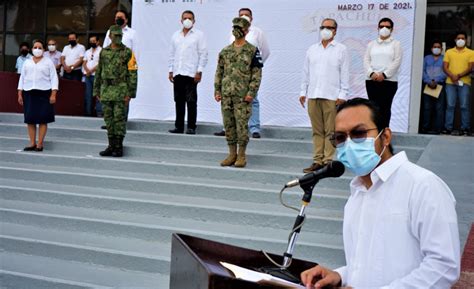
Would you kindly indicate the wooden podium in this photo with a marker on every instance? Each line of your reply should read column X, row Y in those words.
column 195, row 264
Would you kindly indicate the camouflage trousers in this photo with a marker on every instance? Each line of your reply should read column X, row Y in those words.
column 235, row 114
column 114, row 117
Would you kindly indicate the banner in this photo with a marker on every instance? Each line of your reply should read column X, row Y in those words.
column 291, row 26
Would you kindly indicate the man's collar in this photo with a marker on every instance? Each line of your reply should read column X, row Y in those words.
column 388, row 40
column 382, row 172
column 332, row 43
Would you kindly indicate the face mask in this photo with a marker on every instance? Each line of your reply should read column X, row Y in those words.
column 120, row 21
column 460, row 43
column 52, row 48
column 360, row 158
column 187, row 24
column 436, row 51
column 117, row 39
column 238, row 33
column 73, row 42
column 24, row 52
column 93, row 45
column 384, row 32
column 325, row 34
column 37, row 52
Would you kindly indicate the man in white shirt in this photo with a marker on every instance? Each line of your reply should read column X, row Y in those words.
column 257, row 38
column 53, row 54
column 91, row 60
column 188, row 57
column 71, row 58
column 400, row 225
column 129, row 38
column 325, row 84
column 24, row 55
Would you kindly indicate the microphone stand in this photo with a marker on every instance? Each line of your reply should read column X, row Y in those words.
column 282, row 271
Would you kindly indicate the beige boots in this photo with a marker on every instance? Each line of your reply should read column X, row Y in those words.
column 238, row 160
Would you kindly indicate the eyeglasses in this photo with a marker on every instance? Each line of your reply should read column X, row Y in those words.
column 327, row 27
column 385, row 26
column 338, row 139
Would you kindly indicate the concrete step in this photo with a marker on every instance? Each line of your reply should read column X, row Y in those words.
column 30, row 271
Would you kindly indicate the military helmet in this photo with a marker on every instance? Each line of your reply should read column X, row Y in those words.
column 115, row 30
column 241, row 22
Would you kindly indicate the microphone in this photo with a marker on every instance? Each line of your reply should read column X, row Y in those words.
column 332, row 170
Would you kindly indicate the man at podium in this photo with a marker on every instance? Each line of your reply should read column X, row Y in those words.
column 400, row 225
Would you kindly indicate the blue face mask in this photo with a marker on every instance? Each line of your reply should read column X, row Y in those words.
column 361, row 157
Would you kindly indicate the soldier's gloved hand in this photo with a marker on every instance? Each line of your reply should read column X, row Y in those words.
column 127, row 99
column 248, row 98
column 218, row 97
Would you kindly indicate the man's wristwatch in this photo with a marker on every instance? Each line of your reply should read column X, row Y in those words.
column 72, row 66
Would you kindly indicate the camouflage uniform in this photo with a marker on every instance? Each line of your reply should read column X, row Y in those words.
column 238, row 74
column 115, row 78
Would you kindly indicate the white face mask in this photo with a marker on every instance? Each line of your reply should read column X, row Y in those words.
column 384, row 32
column 37, row 52
column 325, row 34
column 436, row 51
column 460, row 43
column 52, row 48
column 187, row 23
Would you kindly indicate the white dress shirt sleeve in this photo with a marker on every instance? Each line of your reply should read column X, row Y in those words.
column 344, row 91
column 433, row 221
column 53, row 76
column 305, row 76
column 202, row 53
column 367, row 60
column 107, row 40
column 263, row 46
column 172, row 54
column 342, row 271
column 392, row 69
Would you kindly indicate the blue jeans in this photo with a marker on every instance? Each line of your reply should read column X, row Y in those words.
column 436, row 105
column 88, row 98
column 454, row 92
column 254, row 122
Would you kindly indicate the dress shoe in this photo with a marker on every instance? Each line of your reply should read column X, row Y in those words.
column 29, row 149
column 175, row 130
column 103, row 127
column 190, row 131
column 220, row 133
column 38, row 149
column 467, row 132
column 446, row 132
column 312, row 168
column 256, row 135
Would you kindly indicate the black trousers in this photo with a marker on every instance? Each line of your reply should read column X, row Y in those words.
column 185, row 94
column 74, row 75
column 382, row 94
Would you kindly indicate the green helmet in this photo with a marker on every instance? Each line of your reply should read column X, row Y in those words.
column 241, row 22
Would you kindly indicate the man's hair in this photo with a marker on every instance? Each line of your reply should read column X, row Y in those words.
column 460, row 32
column 94, row 36
column 333, row 21
column 72, row 33
column 246, row 9
column 188, row 12
column 122, row 11
column 385, row 19
column 24, row 44
column 434, row 41
column 374, row 112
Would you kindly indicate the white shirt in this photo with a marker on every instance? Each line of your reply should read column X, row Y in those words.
column 257, row 38
column 188, row 54
column 41, row 75
column 92, row 57
column 402, row 232
column 326, row 72
column 20, row 61
column 129, row 39
column 73, row 54
column 383, row 56
column 55, row 56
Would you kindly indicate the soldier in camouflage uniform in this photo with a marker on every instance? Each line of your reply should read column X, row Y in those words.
column 238, row 76
column 115, row 84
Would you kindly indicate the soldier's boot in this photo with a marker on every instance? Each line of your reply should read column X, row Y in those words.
column 230, row 160
column 241, row 157
column 110, row 148
column 118, row 149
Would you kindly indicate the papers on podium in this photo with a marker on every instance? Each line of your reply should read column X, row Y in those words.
column 434, row 92
column 260, row 278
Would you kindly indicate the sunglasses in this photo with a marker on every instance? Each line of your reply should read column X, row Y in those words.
column 327, row 27
column 338, row 139
column 385, row 26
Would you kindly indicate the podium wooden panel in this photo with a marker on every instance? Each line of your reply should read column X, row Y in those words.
column 195, row 264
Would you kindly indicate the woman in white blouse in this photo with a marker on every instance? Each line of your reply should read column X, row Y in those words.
column 382, row 62
column 37, row 90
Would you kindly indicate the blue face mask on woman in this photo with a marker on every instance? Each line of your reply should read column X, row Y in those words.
column 359, row 157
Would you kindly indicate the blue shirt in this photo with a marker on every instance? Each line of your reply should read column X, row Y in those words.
column 20, row 60
column 433, row 69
